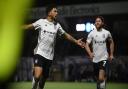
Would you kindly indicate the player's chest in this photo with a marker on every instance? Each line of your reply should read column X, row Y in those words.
column 48, row 28
column 99, row 36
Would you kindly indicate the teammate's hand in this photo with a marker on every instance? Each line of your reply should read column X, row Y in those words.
column 91, row 55
column 80, row 43
column 111, row 58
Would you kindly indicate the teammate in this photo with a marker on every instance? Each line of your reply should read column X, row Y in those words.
column 44, row 51
column 99, row 55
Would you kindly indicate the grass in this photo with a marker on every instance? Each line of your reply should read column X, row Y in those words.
column 68, row 85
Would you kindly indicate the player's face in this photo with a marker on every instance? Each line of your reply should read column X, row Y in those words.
column 98, row 23
column 53, row 13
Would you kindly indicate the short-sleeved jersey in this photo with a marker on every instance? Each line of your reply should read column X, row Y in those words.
column 47, row 37
column 98, row 39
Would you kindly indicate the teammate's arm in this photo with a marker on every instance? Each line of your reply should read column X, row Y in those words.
column 72, row 39
column 29, row 26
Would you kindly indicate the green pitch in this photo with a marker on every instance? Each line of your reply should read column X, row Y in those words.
column 68, row 85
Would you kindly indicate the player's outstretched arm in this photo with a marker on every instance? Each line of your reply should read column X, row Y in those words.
column 28, row 27
column 72, row 39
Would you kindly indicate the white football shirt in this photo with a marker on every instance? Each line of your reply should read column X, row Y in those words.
column 98, row 39
column 47, row 37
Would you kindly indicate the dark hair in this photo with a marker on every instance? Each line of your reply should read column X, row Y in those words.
column 50, row 7
column 101, row 17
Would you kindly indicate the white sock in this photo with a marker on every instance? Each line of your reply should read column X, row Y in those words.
column 103, row 85
column 33, row 81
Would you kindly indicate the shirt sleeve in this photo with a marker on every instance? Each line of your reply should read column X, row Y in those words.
column 109, row 35
column 89, row 38
column 37, row 24
column 60, row 30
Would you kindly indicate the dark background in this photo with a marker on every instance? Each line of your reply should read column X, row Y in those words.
column 42, row 3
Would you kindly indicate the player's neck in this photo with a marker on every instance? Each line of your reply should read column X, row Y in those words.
column 99, row 29
column 50, row 19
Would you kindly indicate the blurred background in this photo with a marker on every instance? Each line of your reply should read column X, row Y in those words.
column 77, row 17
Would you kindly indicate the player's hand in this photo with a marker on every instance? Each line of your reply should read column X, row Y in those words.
column 111, row 58
column 80, row 43
column 91, row 55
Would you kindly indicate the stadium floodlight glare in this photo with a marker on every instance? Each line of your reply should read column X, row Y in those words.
column 80, row 27
column 89, row 26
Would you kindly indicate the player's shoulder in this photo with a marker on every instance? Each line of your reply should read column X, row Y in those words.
column 58, row 24
column 105, row 30
column 43, row 20
column 40, row 20
column 92, row 31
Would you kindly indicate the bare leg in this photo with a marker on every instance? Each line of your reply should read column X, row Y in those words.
column 102, row 79
column 36, row 78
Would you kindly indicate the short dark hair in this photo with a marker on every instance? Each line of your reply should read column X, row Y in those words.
column 50, row 7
